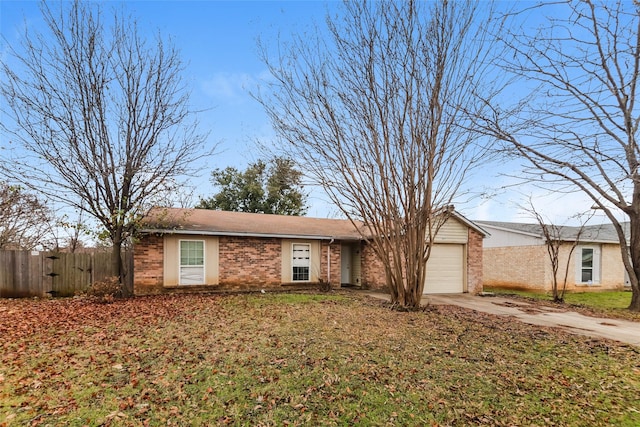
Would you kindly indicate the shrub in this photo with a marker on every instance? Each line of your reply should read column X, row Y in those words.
column 105, row 291
column 324, row 286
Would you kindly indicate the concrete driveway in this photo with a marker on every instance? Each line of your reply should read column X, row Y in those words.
column 531, row 313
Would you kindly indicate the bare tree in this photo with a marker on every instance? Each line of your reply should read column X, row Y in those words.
column 374, row 116
column 24, row 220
column 73, row 231
column 577, row 126
column 102, row 119
column 556, row 237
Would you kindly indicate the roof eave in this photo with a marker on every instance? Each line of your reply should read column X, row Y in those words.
column 470, row 223
column 512, row 230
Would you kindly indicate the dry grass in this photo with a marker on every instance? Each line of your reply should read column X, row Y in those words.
column 300, row 359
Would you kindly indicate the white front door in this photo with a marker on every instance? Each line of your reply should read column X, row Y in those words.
column 345, row 264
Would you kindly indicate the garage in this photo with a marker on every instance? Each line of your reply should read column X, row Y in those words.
column 445, row 270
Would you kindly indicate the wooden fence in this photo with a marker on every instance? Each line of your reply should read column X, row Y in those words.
column 36, row 274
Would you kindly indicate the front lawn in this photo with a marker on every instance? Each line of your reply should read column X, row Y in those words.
column 601, row 300
column 606, row 303
column 300, row 359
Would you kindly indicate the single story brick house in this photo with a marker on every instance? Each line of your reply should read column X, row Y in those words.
column 199, row 249
column 515, row 257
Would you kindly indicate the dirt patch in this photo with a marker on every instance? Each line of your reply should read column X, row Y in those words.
column 585, row 311
column 569, row 327
column 511, row 304
column 528, row 308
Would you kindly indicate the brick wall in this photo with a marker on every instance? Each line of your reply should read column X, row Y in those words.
column 335, row 263
column 373, row 276
column 474, row 262
column 256, row 263
column 336, row 266
column 611, row 269
column 249, row 262
column 529, row 268
column 148, row 264
column 516, row 267
column 244, row 263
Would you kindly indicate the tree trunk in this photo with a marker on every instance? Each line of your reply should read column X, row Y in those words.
column 117, row 267
column 634, row 249
column 116, row 260
column 635, row 301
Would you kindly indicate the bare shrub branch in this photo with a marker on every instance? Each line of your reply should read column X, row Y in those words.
column 101, row 117
column 375, row 115
column 576, row 123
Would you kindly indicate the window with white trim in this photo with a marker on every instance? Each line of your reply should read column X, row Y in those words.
column 191, row 262
column 586, row 269
column 301, row 263
column 588, row 265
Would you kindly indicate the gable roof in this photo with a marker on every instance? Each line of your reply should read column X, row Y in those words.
column 471, row 224
column 599, row 233
column 224, row 223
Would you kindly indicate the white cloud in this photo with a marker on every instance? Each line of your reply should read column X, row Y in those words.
column 484, row 211
column 561, row 208
column 510, row 202
column 229, row 87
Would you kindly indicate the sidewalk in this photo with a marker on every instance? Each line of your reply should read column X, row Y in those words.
column 620, row 330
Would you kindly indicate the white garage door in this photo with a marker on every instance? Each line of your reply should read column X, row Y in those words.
column 445, row 270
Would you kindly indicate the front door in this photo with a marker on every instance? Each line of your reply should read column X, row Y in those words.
column 345, row 265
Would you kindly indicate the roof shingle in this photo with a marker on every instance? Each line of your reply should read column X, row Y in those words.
column 591, row 233
column 205, row 221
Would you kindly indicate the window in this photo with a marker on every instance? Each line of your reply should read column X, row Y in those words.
column 301, row 262
column 191, row 262
column 588, row 265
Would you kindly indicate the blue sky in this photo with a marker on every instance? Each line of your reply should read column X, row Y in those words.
column 217, row 40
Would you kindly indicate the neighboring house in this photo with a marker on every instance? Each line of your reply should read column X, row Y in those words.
column 515, row 257
column 198, row 249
